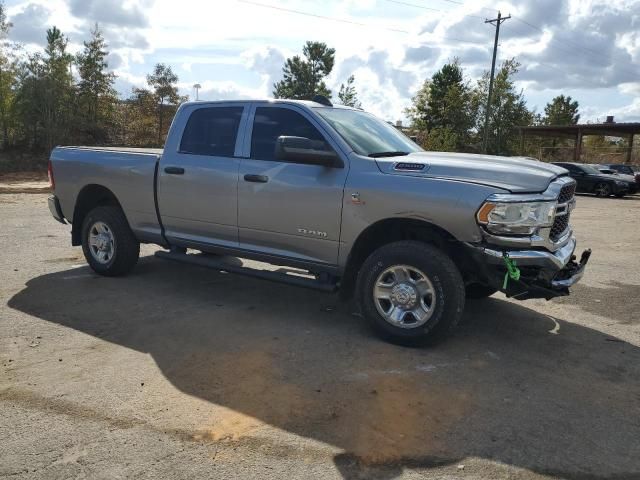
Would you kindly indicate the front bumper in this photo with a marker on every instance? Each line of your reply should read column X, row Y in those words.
column 55, row 209
column 544, row 274
column 622, row 189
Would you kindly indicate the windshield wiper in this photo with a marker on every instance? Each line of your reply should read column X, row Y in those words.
column 388, row 154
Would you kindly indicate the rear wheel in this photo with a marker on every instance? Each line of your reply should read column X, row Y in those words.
column 602, row 190
column 620, row 195
column 411, row 292
column 108, row 243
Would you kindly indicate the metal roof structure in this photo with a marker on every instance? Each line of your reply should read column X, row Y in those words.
column 610, row 129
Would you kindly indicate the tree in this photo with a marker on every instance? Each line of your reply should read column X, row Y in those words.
column 561, row 111
column 163, row 81
column 445, row 103
column 508, row 109
column 442, row 139
column 8, row 77
column 96, row 94
column 140, row 117
column 418, row 110
column 348, row 95
column 47, row 92
column 303, row 78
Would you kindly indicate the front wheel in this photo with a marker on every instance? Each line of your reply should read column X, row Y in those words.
column 411, row 292
column 108, row 243
column 602, row 190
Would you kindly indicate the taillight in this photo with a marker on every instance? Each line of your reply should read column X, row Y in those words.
column 52, row 182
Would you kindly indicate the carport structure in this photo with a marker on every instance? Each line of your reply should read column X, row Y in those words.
column 577, row 132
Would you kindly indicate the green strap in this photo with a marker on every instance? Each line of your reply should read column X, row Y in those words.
column 513, row 271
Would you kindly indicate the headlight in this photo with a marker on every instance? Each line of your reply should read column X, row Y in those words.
column 620, row 182
column 516, row 218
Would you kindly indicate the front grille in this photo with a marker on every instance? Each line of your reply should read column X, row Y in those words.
column 561, row 222
column 567, row 192
column 559, row 226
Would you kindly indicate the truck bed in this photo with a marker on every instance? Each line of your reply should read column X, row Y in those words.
column 129, row 173
column 144, row 151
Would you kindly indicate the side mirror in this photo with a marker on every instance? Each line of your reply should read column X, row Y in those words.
column 302, row 150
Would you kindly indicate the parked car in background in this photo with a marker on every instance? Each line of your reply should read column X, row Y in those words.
column 591, row 180
column 634, row 185
column 621, row 168
column 632, row 170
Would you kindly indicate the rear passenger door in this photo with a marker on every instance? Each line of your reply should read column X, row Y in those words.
column 198, row 176
column 288, row 209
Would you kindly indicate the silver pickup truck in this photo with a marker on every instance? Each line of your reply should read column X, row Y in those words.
column 332, row 192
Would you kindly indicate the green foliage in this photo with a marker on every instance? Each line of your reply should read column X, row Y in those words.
column 165, row 91
column 418, row 111
column 442, row 139
column 96, row 95
column 508, row 109
column 8, row 79
column 561, row 111
column 47, row 92
column 445, row 103
column 139, row 113
column 303, row 78
column 348, row 95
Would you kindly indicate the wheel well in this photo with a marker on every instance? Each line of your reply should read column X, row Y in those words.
column 90, row 196
column 393, row 230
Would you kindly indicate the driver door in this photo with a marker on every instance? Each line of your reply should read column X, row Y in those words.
column 288, row 209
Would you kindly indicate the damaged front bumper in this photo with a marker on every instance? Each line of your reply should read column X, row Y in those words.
column 543, row 274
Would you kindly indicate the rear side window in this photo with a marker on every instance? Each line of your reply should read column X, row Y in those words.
column 271, row 123
column 212, row 131
column 568, row 166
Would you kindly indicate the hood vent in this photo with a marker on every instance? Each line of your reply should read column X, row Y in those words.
column 409, row 167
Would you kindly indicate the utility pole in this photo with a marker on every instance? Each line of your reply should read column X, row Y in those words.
column 497, row 22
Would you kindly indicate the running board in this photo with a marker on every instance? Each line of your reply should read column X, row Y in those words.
column 216, row 264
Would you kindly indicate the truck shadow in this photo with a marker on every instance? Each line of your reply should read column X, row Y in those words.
column 513, row 386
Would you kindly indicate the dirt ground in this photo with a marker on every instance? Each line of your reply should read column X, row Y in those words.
column 177, row 371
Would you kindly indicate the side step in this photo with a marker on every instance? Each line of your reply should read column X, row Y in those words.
column 276, row 276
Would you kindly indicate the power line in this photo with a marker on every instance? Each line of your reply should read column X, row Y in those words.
column 576, row 45
column 535, row 27
column 573, row 52
column 323, row 17
column 407, row 4
column 423, row 7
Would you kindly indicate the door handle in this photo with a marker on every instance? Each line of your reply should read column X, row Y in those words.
column 174, row 170
column 256, row 178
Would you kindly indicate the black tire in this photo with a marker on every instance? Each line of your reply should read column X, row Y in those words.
column 448, row 287
column 126, row 249
column 602, row 189
column 620, row 195
column 477, row 290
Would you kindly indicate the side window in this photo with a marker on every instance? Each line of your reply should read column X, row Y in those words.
column 272, row 122
column 212, row 131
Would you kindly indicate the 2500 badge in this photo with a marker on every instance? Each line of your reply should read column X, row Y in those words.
column 316, row 233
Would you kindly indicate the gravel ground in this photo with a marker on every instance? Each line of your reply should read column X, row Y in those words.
column 181, row 372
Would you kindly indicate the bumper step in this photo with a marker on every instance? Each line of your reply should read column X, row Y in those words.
column 274, row 275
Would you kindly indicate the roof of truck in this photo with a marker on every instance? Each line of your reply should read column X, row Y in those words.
column 306, row 103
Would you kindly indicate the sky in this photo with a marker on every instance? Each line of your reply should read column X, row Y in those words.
column 235, row 49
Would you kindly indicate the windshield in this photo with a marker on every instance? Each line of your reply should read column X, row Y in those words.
column 590, row 169
column 366, row 134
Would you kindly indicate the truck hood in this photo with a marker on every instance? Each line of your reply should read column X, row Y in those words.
column 515, row 174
